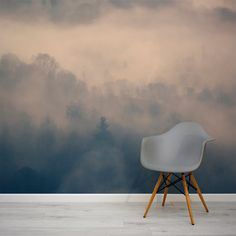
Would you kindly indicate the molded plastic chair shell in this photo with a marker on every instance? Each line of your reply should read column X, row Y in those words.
column 178, row 150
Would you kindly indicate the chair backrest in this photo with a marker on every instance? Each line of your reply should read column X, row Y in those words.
column 183, row 145
column 187, row 142
column 187, row 129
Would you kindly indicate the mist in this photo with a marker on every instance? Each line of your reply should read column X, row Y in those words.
column 82, row 82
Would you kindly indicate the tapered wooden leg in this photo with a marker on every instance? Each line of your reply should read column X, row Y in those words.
column 166, row 190
column 187, row 199
column 198, row 191
column 158, row 183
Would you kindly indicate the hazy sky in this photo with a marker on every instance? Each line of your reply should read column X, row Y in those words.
column 141, row 41
column 143, row 64
column 188, row 44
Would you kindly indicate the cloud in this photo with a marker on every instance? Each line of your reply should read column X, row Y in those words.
column 226, row 14
column 141, row 3
column 58, row 11
column 140, row 44
column 70, row 12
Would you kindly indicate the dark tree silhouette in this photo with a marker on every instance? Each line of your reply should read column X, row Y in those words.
column 103, row 135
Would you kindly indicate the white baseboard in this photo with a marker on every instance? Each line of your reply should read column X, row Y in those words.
column 109, row 197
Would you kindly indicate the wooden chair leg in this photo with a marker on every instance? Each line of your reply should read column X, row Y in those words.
column 166, row 190
column 187, row 199
column 158, row 183
column 198, row 191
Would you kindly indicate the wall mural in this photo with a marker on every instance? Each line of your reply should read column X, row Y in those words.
column 81, row 82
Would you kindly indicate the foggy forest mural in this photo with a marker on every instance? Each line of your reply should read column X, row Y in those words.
column 81, row 82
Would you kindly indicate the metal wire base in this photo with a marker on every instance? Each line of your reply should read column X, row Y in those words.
column 178, row 179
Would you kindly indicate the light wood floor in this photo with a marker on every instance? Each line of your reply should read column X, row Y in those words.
column 115, row 219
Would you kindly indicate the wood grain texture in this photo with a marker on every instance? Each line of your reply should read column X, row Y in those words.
column 198, row 191
column 113, row 219
column 188, row 199
column 166, row 189
column 153, row 194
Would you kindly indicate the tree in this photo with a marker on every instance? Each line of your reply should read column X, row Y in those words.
column 103, row 135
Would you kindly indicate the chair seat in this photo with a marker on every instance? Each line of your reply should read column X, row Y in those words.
column 172, row 169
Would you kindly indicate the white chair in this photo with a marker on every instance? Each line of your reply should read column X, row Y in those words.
column 180, row 150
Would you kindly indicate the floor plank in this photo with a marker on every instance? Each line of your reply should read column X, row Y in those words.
column 111, row 219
